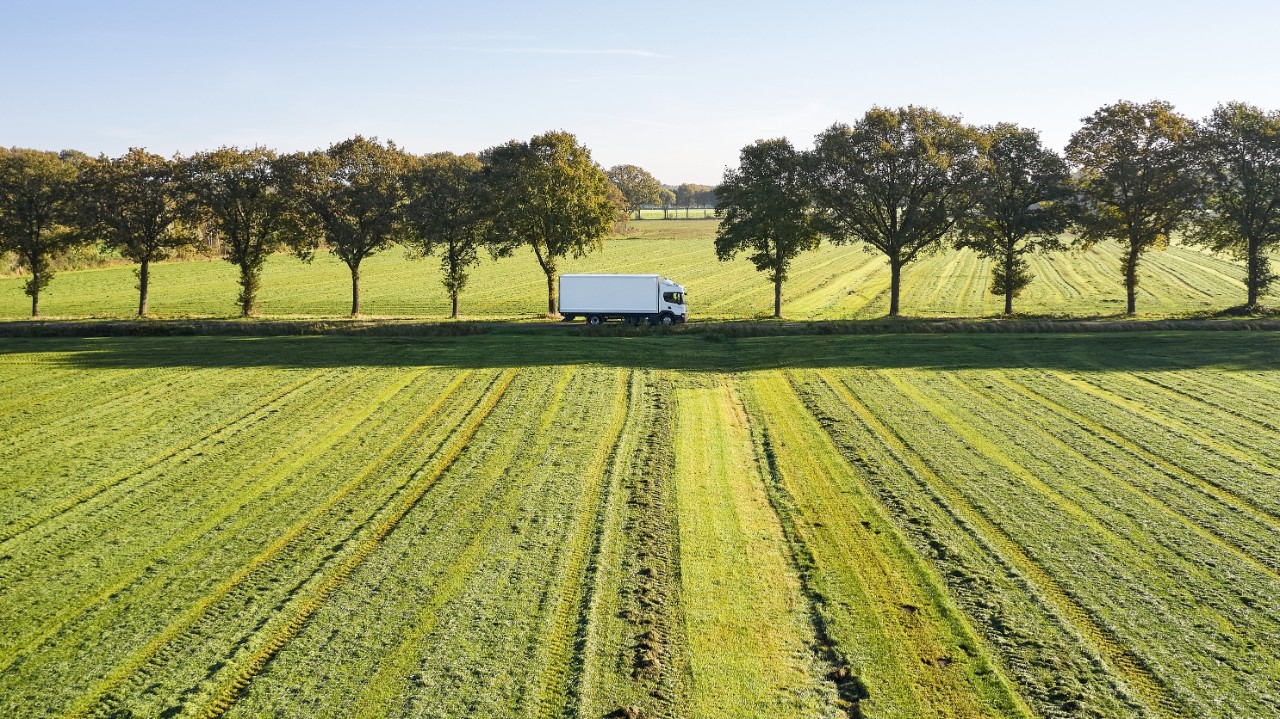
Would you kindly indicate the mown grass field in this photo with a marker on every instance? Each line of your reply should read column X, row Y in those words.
column 832, row 283
column 557, row 526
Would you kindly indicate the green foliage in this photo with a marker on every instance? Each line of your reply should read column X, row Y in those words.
column 37, row 211
column 355, row 194
column 637, row 186
column 766, row 211
column 550, row 196
column 239, row 192
column 135, row 204
column 1136, row 179
column 448, row 212
column 1020, row 205
column 1239, row 151
column 897, row 180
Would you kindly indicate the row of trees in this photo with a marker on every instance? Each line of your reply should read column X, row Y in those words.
column 641, row 190
column 356, row 199
column 907, row 181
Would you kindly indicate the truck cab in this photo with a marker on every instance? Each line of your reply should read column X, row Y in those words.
column 673, row 301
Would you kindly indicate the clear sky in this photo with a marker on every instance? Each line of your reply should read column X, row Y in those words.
column 677, row 88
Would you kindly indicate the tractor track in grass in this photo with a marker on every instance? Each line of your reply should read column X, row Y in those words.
column 572, row 600
column 1125, row 664
column 311, row 448
column 213, row 608
column 231, row 427
column 230, row 691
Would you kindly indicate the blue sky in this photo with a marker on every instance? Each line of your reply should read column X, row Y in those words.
column 675, row 88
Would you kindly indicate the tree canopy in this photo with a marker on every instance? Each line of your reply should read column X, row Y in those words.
column 1239, row 154
column 897, row 180
column 1021, row 204
column 766, row 211
column 1136, row 179
column 135, row 204
column 37, row 211
column 550, row 196
column 448, row 213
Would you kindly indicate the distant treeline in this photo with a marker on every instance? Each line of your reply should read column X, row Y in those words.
column 903, row 182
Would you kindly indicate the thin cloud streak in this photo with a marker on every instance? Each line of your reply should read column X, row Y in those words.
column 564, row 51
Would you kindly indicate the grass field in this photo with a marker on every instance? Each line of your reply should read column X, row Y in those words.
column 831, row 283
column 881, row 526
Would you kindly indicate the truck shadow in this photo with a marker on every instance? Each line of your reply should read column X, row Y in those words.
column 1112, row 351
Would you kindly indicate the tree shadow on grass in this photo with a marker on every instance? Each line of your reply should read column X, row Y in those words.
column 1111, row 351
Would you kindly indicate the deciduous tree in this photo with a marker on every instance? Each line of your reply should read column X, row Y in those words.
column 897, row 180
column 1136, row 179
column 354, row 194
column 550, row 196
column 1020, row 205
column 637, row 186
column 1239, row 151
column 766, row 212
column 448, row 213
column 239, row 193
column 135, row 204
column 37, row 212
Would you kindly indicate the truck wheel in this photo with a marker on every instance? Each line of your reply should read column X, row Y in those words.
column 667, row 319
column 594, row 319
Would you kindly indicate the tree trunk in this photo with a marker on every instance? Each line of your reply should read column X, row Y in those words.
column 895, row 284
column 1255, row 274
column 248, row 289
column 552, row 310
column 144, row 272
column 777, row 299
column 453, row 296
column 1008, row 283
column 35, row 291
column 1131, row 280
column 355, row 290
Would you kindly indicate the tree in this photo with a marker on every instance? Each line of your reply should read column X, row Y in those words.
column 687, row 196
column 897, row 180
column 549, row 195
column 448, row 213
column 239, row 193
column 37, row 212
column 1135, row 178
column 766, row 212
column 1239, row 150
column 667, row 199
column 1020, row 206
column 354, row 193
column 637, row 186
column 134, row 203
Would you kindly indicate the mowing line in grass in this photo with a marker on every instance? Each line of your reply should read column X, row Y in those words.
column 232, row 690
column 563, row 638
column 229, row 428
column 907, row 650
column 740, row 587
column 1109, row 648
column 178, row 634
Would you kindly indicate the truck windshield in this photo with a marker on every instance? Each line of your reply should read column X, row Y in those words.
column 675, row 298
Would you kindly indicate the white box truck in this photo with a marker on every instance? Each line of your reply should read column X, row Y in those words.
column 632, row 298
